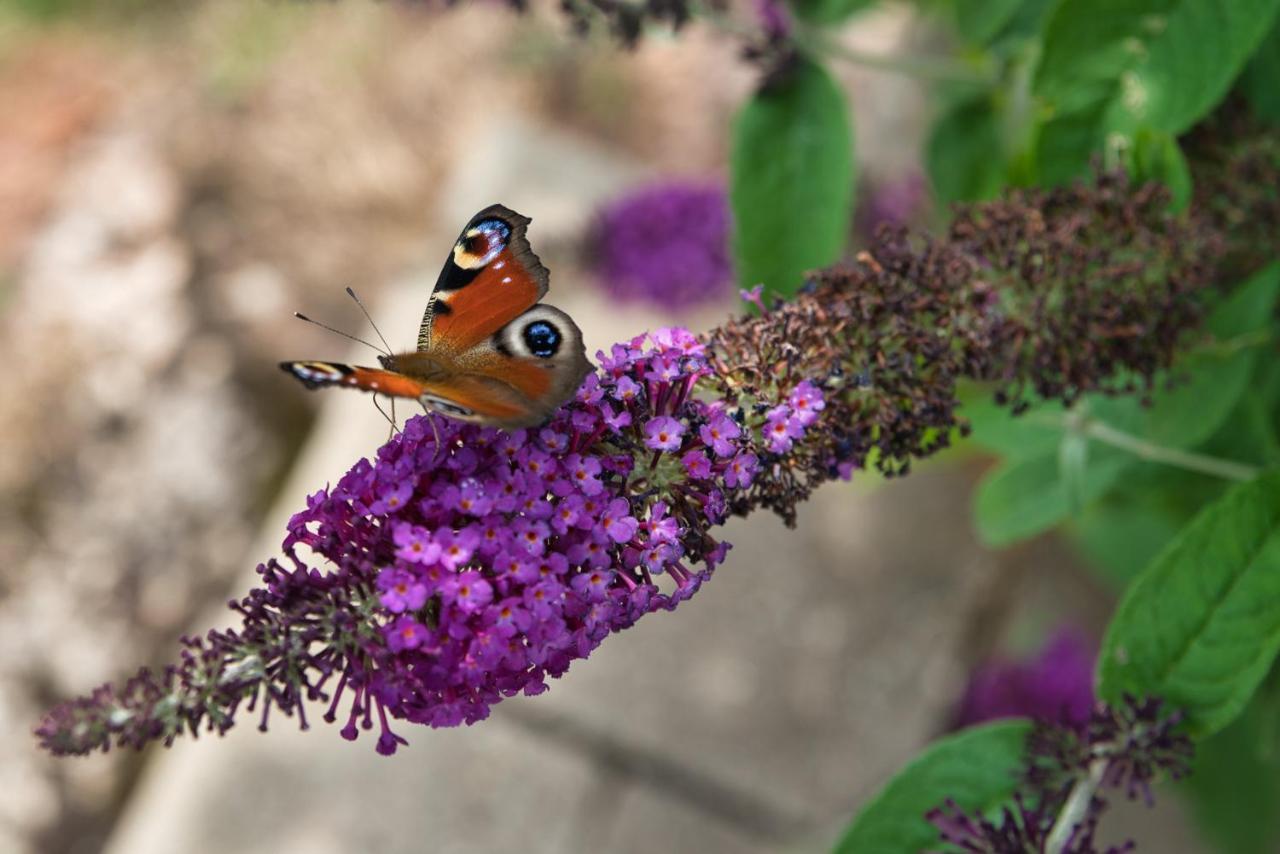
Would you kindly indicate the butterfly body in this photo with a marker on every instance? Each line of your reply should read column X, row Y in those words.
column 488, row 351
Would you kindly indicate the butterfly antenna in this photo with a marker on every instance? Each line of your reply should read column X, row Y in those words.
column 351, row 293
column 347, row 335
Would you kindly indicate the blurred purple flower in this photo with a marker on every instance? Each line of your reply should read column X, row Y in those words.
column 894, row 203
column 774, row 17
column 1056, row 686
column 665, row 244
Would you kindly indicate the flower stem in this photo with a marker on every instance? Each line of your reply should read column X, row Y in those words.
column 1202, row 463
column 1076, row 807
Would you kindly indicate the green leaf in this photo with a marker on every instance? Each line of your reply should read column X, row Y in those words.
column 1033, row 433
column 1235, row 784
column 1111, row 67
column 1200, row 626
column 980, row 21
column 1026, row 496
column 1157, row 157
column 1260, row 82
column 964, row 154
column 827, row 11
column 977, row 768
column 792, row 179
column 1120, row 535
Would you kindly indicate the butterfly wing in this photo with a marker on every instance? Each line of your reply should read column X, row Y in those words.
column 515, row 378
column 321, row 374
column 479, row 397
column 489, row 279
column 487, row 352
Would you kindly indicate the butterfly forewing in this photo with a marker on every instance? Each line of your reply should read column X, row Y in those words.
column 490, row 276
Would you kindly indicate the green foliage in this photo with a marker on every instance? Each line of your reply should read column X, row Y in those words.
column 827, row 11
column 1112, row 68
column 1027, row 496
column 976, row 767
column 1199, row 626
column 1155, row 156
column 1149, row 490
column 1235, row 784
column 1052, row 469
column 792, row 178
column 1260, row 82
column 980, row 21
column 964, row 154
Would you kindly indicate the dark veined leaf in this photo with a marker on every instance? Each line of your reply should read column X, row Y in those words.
column 792, row 179
column 977, row 768
column 1111, row 67
column 1200, row 627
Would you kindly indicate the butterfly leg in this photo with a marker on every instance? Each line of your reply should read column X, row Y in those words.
column 391, row 419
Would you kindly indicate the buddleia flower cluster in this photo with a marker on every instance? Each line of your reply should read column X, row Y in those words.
column 466, row 564
column 447, row 574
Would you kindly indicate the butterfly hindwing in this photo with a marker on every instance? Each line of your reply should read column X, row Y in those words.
column 490, row 278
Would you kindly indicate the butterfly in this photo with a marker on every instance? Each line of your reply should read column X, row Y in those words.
column 488, row 351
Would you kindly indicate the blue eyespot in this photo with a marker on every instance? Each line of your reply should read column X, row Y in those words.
column 542, row 339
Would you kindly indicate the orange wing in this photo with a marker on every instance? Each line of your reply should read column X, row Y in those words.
column 489, row 279
column 320, row 374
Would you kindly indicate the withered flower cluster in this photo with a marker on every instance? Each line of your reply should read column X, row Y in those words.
column 1050, row 293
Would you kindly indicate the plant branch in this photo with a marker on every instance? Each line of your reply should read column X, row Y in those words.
column 1202, row 463
column 1076, row 807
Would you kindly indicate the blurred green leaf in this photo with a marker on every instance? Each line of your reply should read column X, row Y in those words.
column 1111, row 67
column 980, row 21
column 1121, row 534
column 977, row 768
column 1260, row 82
column 1156, row 157
column 1200, row 627
column 1234, row 786
column 828, row 11
column 964, row 154
column 792, row 179
column 1026, row 496
column 1033, row 433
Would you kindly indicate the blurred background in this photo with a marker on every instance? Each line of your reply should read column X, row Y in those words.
column 177, row 178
